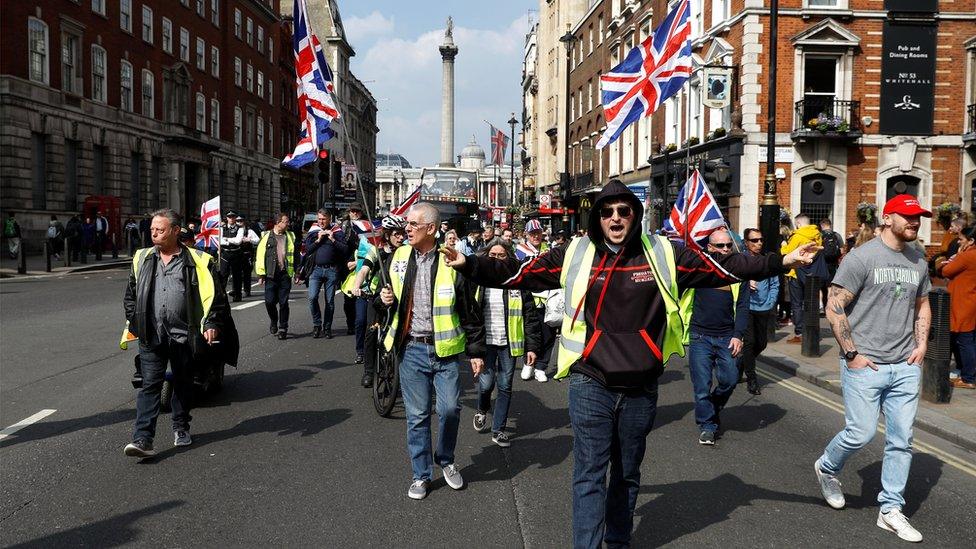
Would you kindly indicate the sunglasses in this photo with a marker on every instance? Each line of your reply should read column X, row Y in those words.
column 623, row 211
column 722, row 245
column 754, row 240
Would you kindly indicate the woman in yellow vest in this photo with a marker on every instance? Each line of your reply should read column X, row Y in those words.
column 512, row 329
column 622, row 322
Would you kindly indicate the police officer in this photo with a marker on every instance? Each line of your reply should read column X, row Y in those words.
column 251, row 239
column 232, row 254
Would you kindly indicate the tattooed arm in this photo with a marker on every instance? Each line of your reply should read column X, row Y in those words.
column 838, row 299
column 923, row 321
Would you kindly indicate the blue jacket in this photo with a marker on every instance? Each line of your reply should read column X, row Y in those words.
column 763, row 298
column 713, row 315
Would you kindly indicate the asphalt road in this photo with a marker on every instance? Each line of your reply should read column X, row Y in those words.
column 291, row 454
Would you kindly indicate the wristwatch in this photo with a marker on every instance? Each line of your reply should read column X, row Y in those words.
column 849, row 355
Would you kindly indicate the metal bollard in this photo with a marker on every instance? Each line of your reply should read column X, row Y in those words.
column 22, row 259
column 67, row 252
column 47, row 256
column 811, row 317
column 935, row 370
column 115, row 248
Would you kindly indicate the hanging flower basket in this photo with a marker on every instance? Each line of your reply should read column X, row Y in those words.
column 946, row 212
column 826, row 123
column 867, row 212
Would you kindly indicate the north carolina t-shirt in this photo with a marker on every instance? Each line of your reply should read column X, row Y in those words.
column 885, row 284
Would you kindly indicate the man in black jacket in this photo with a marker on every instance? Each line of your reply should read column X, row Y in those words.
column 326, row 246
column 622, row 322
column 175, row 304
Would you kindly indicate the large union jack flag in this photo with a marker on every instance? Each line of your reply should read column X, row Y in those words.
column 651, row 73
column 695, row 214
column 316, row 106
column 499, row 142
column 209, row 235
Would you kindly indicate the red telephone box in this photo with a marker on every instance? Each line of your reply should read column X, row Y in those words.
column 111, row 208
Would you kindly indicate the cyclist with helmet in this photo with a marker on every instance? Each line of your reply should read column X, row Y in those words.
column 393, row 235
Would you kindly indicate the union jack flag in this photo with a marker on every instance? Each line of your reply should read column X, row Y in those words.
column 316, row 106
column 499, row 143
column 695, row 214
column 209, row 235
column 651, row 73
column 407, row 202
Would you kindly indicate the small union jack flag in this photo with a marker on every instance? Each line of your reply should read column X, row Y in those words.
column 209, row 235
column 499, row 143
column 695, row 214
column 651, row 73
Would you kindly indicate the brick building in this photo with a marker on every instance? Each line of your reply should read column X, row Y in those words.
column 137, row 104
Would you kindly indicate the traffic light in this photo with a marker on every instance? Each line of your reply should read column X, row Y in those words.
column 322, row 166
column 565, row 189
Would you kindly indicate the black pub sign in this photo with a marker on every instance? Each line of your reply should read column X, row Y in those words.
column 907, row 78
column 919, row 6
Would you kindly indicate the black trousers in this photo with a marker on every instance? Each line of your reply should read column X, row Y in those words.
column 232, row 264
column 549, row 334
column 372, row 339
column 276, row 290
column 349, row 307
column 246, row 269
column 756, row 338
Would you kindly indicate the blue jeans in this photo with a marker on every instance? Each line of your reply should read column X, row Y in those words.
column 497, row 357
column 322, row 277
column 276, row 290
column 705, row 353
column 362, row 304
column 153, row 362
column 422, row 371
column 964, row 347
column 894, row 390
column 610, row 429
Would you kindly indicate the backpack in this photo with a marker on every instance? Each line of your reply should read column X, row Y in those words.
column 831, row 246
column 9, row 227
column 52, row 232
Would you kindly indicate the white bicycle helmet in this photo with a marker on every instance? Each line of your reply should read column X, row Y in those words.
column 394, row 222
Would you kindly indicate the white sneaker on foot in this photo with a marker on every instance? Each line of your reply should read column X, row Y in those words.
column 540, row 376
column 830, row 487
column 526, row 373
column 894, row 521
column 418, row 490
column 453, row 477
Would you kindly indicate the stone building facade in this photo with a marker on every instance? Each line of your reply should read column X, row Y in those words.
column 133, row 105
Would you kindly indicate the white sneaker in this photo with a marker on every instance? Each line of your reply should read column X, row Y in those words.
column 453, row 477
column 526, row 373
column 894, row 521
column 540, row 376
column 830, row 488
column 418, row 490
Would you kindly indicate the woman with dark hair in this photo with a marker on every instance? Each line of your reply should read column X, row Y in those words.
column 961, row 272
column 512, row 329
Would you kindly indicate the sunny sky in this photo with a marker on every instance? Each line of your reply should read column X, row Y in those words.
column 396, row 55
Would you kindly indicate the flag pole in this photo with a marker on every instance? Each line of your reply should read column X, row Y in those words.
column 688, row 191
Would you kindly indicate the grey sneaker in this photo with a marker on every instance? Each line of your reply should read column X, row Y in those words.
column 453, row 477
column 141, row 448
column 501, row 439
column 181, row 437
column 894, row 521
column 707, row 438
column 830, row 488
column 480, row 422
column 418, row 490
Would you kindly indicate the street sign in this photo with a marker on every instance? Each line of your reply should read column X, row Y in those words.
column 545, row 201
column 783, row 155
column 640, row 190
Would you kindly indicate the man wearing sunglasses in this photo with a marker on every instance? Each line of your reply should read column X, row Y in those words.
column 621, row 324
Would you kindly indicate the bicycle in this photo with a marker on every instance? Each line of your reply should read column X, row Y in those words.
column 386, row 378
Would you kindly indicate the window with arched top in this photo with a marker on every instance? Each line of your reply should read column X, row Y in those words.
column 901, row 184
column 817, row 197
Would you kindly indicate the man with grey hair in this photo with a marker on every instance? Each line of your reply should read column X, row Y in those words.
column 435, row 319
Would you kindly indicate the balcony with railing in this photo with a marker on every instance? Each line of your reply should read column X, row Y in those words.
column 826, row 118
column 969, row 133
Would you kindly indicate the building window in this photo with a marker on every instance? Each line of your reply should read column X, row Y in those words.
column 167, row 36
column 201, row 54
column 135, row 181
column 98, row 74
column 215, row 61
column 237, row 71
column 271, row 150
column 817, row 197
column 249, row 130
column 125, row 15
column 71, row 63
column 237, row 22
column 260, row 39
column 238, row 134
column 147, row 24
column 271, row 49
column 720, row 11
column 250, row 31
column 819, row 85
column 215, row 119
column 201, row 113
column 98, row 6
column 98, row 169
column 591, row 39
column 250, row 78
column 825, row 4
column 261, row 84
column 37, row 38
column 201, row 8
column 184, row 44
column 125, row 84
column 39, row 171
column 155, row 167
column 260, row 141
column 148, row 94
column 270, row 92
column 215, row 12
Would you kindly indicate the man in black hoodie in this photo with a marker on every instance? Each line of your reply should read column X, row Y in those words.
column 622, row 321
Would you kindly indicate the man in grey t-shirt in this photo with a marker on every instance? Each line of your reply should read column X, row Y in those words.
column 879, row 310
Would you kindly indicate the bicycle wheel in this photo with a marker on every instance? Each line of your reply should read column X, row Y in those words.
column 386, row 386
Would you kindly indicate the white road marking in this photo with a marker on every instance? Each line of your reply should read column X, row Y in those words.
column 246, row 305
column 947, row 458
column 25, row 422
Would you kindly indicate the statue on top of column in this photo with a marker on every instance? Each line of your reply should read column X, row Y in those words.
column 449, row 31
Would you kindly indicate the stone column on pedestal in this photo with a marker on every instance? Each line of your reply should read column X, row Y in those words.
column 448, row 52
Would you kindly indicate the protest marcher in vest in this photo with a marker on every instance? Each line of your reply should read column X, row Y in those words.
column 232, row 254
column 436, row 319
column 354, row 310
column 174, row 303
column 367, row 278
column 762, row 312
column 251, row 239
column 275, row 267
column 512, row 329
column 719, row 317
column 621, row 324
column 364, row 249
column 531, row 246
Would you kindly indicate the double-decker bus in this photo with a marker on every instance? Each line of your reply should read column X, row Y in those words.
column 453, row 191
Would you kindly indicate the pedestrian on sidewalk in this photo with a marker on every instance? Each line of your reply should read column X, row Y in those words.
column 622, row 322
column 11, row 231
column 719, row 319
column 132, row 234
column 762, row 313
column 435, row 319
column 805, row 233
column 55, row 237
column 961, row 272
column 275, row 266
column 512, row 329
column 88, row 237
column 175, row 304
column 73, row 237
column 102, row 229
column 326, row 246
column 232, row 254
column 879, row 311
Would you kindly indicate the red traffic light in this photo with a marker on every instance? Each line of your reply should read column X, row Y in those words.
column 323, row 153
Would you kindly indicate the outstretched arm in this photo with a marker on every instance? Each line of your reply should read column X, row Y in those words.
column 538, row 274
column 838, row 298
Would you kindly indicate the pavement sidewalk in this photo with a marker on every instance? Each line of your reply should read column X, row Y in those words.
column 955, row 421
column 36, row 265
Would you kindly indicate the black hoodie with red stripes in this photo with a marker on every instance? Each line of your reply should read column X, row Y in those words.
column 629, row 319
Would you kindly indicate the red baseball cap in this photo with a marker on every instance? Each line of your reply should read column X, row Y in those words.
column 905, row 204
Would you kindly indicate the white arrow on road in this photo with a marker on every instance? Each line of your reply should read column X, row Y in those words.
column 24, row 423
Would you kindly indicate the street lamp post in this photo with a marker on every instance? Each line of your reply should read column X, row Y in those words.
column 769, row 211
column 567, row 39
column 511, row 122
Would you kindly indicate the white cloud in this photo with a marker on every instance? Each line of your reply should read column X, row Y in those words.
column 359, row 29
column 407, row 81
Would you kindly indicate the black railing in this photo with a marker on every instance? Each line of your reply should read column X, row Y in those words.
column 971, row 120
column 827, row 116
column 582, row 182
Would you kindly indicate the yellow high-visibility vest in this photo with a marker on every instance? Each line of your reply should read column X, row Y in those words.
column 515, row 323
column 262, row 251
column 688, row 302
